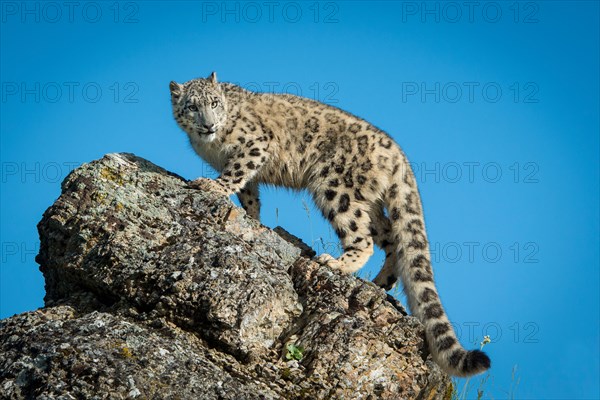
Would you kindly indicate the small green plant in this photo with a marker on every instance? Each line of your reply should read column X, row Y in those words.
column 294, row 352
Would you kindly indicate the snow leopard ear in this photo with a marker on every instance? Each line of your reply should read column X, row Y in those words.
column 176, row 90
column 213, row 78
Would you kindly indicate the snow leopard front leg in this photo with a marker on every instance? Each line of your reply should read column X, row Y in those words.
column 240, row 168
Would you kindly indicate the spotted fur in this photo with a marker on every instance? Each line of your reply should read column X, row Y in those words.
column 354, row 171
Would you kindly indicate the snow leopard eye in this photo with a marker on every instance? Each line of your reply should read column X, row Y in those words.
column 214, row 104
column 193, row 107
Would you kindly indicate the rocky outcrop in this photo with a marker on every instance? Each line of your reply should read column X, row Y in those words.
column 156, row 290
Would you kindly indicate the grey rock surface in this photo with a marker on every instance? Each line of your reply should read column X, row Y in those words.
column 156, row 290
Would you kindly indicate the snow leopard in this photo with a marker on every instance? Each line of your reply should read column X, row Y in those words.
column 358, row 176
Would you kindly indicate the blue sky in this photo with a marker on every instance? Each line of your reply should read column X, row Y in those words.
column 497, row 106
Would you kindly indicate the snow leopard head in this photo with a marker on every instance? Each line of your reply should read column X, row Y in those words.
column 199, row 107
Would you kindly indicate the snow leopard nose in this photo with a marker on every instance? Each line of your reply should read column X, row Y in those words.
column 210, row 127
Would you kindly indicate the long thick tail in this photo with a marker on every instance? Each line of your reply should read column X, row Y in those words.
column 413, row 266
